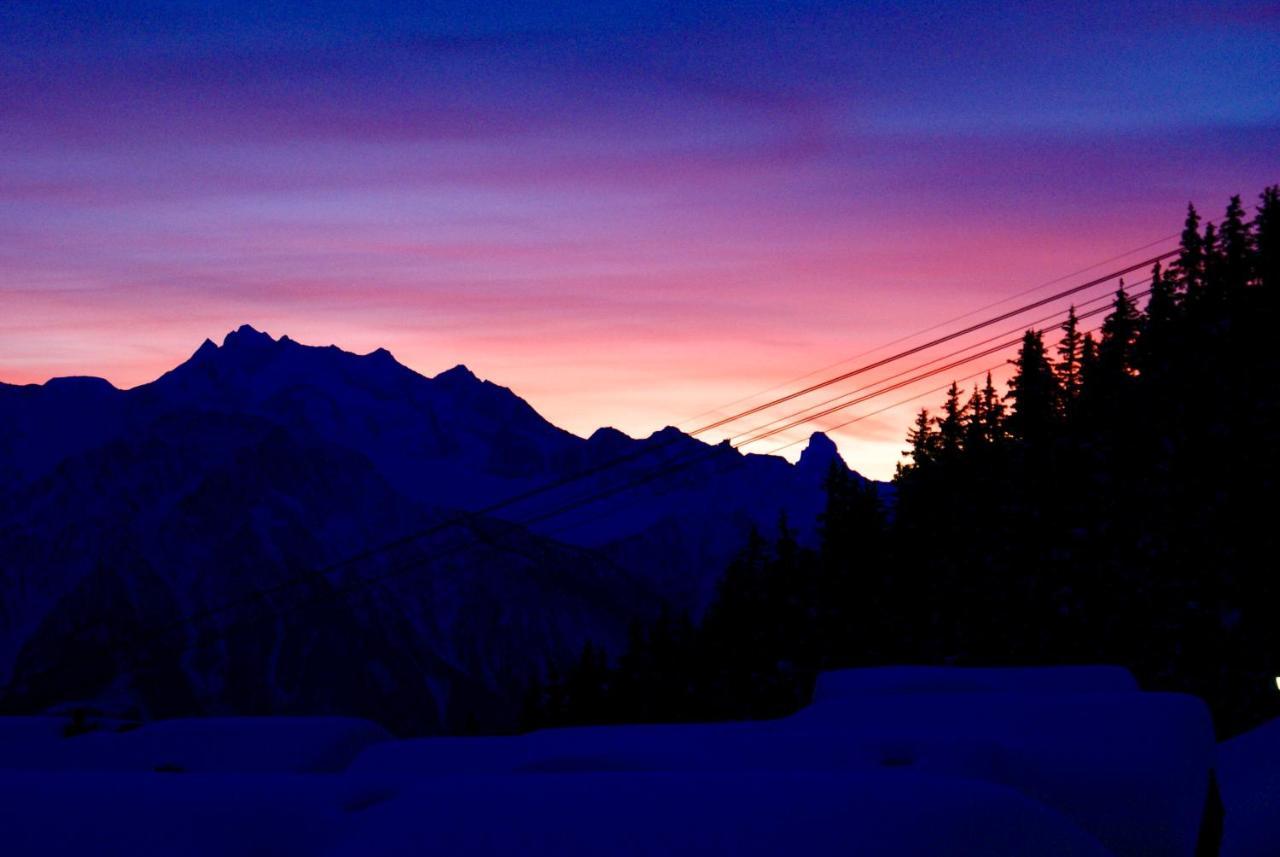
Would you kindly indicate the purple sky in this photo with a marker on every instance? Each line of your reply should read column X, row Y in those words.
column 627, row 212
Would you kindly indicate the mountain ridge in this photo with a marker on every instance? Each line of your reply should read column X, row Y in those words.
column 140, row 495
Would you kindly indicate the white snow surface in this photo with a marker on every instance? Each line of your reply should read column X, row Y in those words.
column 1130, row 768
column 172, row 815
column 893, row 769
column 672, row 814
column 1248, row 769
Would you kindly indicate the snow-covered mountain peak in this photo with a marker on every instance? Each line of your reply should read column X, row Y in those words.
column 265, row 453
column 206, row 350
column 819, row 454
column 608, row 434
column 246, row 336
column 671, row 434
column 459, row 374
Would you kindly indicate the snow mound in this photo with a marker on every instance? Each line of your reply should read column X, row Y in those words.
column 28, row 742
column 1248, row 770
column 1131, row 768
column 159, row 815
column 840, row 684
column 876, row 765
column 634, row 814
column 214, row 744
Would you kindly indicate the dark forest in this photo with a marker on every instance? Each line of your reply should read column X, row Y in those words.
column 1116, row 504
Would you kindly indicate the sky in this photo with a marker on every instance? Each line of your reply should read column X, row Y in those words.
column 630, row 213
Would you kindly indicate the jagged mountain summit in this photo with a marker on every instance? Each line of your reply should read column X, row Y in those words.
column 260, row 460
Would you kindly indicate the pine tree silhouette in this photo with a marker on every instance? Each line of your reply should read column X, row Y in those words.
column 1237, row 248
column 1267, row 241
column 1190, row 264
column 1105, row 509
column 951, row 426
column 1068, row 367
column 1034, row 392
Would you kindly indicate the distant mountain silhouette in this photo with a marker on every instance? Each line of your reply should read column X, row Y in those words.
column 123, row 511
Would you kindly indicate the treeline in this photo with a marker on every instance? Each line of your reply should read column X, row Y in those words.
column 1117, row 503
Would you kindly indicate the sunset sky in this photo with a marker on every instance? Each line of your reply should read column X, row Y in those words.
column 629, row 213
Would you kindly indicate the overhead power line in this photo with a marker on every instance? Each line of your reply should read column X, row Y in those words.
column 617, row 461
column 931, row 343
column 1003, row 334
column 908, row 382
column 323, row 572
column 935, row 326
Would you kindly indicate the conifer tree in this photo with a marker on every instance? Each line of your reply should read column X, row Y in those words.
column 1088, row 360
column 1266, row 227
column 1068, row 367
column 1237, row 248
column 852, row 519
column 586, row 686
column 1190, row 264
column 975, row 423
column 951, row 426
column 837, row 522
column 993, row 412
column 1212, row 250
column 1158, row 327
column 1087, row 410
column 1109, row 531
column 1034, row 391
column 923, row 440
column 1119, row 337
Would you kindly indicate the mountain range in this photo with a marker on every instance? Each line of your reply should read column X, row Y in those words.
column 202, row 543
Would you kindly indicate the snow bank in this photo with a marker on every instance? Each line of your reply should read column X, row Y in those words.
column 908, row 771
column 633, row 814
column 163, row 815
column 840, row 684
column 215, row 744
column 26, row 741
column 1248, row 769
column 1130, row 768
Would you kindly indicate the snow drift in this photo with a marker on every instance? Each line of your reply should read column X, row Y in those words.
column 983, row 771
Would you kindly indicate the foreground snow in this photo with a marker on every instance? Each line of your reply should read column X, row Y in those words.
column 904, row 761
column 698, row 813
column 1248, row 769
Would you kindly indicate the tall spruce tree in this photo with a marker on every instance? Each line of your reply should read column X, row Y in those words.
column 1121, row 531
column 1034, row 392
column 1213, row 264
column 1088, row 360
column 1068, row 367
column 1266, row 226
column 993, row 413
column 1119, row 338
column 975, row 420
column 1190, row 265
column 1237, row 248
column 923, row 440
column 1159, row 326
column 951, row 427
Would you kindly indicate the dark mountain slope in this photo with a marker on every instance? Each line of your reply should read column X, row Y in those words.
column 262, row 458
